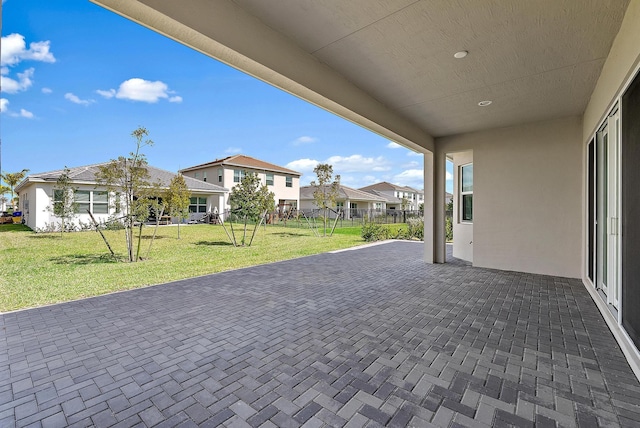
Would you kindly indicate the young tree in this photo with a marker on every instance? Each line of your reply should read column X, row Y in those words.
column 128, row 177
column 64, row 205
column 177, row 199
column 249, row 200
column 326, row 189
column 13, row 179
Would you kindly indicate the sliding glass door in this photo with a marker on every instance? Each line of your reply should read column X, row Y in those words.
column 607, row 210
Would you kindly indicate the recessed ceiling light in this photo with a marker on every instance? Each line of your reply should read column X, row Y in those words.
column 484, row 103
column 460, row 54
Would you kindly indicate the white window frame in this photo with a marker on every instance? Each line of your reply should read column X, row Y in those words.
column 464, row 193
column 267, row 181
column 288, row 182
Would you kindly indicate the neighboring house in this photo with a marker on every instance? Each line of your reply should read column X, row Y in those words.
column 227, row 172
column 392, row 202
column 448, row 197
column 36, row 194
column 352, row 202
column 411, row 197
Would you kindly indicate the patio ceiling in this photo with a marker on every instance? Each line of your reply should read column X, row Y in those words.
column 388, row 64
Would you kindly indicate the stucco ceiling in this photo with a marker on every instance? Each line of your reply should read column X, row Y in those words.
column 390, row 62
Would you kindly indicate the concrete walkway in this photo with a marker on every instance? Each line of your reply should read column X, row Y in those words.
column 370, row 337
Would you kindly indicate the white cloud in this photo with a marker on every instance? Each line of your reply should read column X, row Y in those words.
column 4, row 105
column 176, row 99
column 143, row 90
column 109, row 93
column 449, row 176
column 412, row 153
column 357, row 163
column 25, row 113
column 47, row 90
column 369, row 179
column 302, row 165
column 76, row 100
column 14, row 50
column 393, row 145
column 233, row 150
column 305, row 139
column 13, row 86
column 410, row 177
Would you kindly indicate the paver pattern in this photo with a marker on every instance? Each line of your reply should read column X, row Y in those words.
column 369, row 337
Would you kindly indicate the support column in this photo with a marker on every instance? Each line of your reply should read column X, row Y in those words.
column 434, row 209
column 221, row 207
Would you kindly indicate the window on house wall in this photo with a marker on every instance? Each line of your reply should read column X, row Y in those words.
column 97, row 202
column 378, row 206
column 100, row 203
column 289, row 182
column 219, row 175
column 269, row 179
column 466, row 192
column 238, row 175
column 195, row 175
column 58, row 197
column 83, row 199
column 204, row 175
column 339, row 206
column 197, row 204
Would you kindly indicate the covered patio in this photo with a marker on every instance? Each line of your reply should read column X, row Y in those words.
column 367, row 337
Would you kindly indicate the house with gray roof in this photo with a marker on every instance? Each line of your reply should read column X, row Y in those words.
column 408, row 196
column 352, row 202
column 36, row 194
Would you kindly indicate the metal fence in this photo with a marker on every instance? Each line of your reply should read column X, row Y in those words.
column 346, row 218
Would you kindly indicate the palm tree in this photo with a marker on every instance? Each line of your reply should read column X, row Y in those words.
column 12, row 179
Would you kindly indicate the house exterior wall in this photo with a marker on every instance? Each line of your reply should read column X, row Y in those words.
column 40, row 216
column 462, row 231
column 279, row 187
column 527, row 196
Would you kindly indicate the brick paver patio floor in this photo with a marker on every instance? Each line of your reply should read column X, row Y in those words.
column 369, row 337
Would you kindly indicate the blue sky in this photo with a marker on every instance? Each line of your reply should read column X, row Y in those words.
column 78, row 79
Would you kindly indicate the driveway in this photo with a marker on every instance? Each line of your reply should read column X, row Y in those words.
column 366, row 337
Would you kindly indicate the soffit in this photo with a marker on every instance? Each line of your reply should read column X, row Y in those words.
column 534, row 59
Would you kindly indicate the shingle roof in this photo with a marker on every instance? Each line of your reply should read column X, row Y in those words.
column 306, row 192
column 243, row 161
column 87, row 174
column 390, row 199
column 385, row 185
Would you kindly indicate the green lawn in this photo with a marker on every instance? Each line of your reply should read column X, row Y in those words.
column 37, row 269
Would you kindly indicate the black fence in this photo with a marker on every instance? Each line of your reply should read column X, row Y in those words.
column 346, row 218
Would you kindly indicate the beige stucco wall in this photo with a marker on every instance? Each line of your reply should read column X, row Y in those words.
column 462, row 231
column 527, row 196
column 621, row 63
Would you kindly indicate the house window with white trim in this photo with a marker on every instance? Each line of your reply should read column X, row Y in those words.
column 269, row 179
column 289, row 182
column 100, row 202
column 466, row 192
column 197, row 204
column 97, row 202
column 219, row 175
column 204, row 175
column 238, row 175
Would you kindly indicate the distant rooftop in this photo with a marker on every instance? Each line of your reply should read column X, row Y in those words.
column 87, row 175
column 243, row 161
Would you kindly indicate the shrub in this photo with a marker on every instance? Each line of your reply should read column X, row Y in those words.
column 415, row 228
column 374, row 232
column 448, row 228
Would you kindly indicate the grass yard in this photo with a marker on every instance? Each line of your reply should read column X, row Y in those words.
column 38, row 269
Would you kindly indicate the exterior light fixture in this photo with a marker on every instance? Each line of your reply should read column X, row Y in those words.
column 460, row 54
